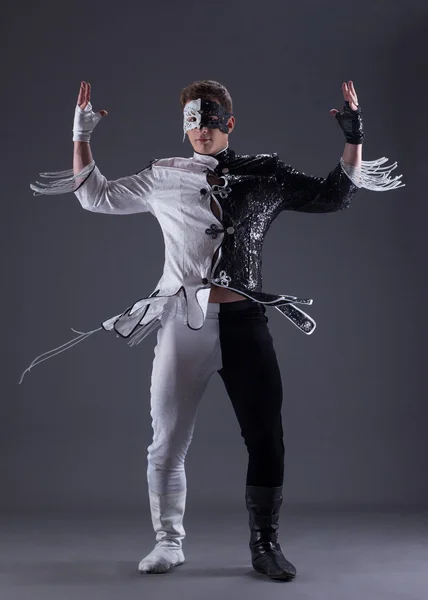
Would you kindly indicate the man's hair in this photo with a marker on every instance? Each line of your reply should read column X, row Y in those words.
column 206, row 88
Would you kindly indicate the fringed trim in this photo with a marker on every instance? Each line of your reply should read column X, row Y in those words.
column 143, row 331
column 67, row 181
column 372, row 176
column 46, row 355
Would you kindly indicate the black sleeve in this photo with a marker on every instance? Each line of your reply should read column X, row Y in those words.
column 306, row 193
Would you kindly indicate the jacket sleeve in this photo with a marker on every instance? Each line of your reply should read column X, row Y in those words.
column 124, row 196
column 306, row 193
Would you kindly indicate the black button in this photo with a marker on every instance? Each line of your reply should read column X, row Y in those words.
column 205, row 281
column 203, row 191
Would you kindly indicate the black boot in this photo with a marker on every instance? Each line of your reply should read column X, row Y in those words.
column 263, row 504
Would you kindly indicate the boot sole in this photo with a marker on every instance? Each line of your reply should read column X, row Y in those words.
column 277, row 577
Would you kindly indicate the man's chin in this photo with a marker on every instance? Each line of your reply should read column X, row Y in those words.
column 203, row 148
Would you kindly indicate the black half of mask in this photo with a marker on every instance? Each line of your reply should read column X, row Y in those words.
column 214, row 116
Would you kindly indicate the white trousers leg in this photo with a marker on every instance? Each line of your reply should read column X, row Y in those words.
column 184, row 361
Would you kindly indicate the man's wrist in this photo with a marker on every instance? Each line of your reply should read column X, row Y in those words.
column 352, row 154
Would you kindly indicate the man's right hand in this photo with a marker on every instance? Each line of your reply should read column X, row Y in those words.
column 85, row 120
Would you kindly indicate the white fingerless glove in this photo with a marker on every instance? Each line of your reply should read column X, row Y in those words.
column 85, row 122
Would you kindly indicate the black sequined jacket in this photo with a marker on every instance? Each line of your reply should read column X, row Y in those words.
column 257, row 188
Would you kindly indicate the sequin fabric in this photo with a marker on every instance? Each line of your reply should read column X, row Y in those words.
column 261, row 186
column 351, row 122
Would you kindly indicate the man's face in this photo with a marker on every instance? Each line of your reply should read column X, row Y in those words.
column 209, row 140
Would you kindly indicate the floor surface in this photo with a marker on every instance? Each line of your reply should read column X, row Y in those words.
column 359, row 555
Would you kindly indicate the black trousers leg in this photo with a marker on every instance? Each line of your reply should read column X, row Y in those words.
column 252, row 379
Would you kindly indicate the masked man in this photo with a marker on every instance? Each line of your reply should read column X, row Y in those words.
column 208, row 308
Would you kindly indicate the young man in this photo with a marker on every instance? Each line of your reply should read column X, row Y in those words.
column 208, row 308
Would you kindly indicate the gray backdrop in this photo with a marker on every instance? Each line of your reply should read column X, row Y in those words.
column 75, row 433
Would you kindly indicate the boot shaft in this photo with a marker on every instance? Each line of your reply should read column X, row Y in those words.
column 263, row 505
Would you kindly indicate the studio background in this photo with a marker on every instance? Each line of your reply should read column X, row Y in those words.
column 74, row 435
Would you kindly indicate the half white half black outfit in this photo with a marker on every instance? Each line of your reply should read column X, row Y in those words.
column 214, row 236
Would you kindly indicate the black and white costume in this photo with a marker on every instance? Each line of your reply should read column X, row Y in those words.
column 214, row 236
column 202, row 250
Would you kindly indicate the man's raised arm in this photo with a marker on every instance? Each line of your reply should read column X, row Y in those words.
column 306, row 193
column 126, row 195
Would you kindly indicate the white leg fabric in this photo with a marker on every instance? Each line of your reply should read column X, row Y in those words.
column 184, row 361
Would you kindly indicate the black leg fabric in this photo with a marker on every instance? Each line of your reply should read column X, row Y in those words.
column 252, row 379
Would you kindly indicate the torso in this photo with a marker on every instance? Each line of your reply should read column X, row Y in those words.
column 220, row 294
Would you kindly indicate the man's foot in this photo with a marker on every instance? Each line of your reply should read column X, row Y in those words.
column 263, row 505
column 269, row 560
column 160, row 560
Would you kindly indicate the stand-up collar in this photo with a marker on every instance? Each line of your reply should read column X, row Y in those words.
column 213, row 159
column 207, row 159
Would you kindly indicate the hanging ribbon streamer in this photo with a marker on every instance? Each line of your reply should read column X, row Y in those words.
column 51, row 353
column 143, row 331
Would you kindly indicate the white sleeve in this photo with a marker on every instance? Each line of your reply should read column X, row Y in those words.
column 124, row 196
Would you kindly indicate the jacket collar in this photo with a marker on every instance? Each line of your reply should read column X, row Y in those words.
column 225, row 155
column 212, row 160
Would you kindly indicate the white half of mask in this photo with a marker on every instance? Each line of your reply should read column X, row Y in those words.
column 191, row 116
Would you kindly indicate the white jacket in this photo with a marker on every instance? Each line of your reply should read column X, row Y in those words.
column 170, row 189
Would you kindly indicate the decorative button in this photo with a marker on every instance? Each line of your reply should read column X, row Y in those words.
column 225, row 170
column 203, row 191
column 205, row 281
column 230, row 230
column 214, row 231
